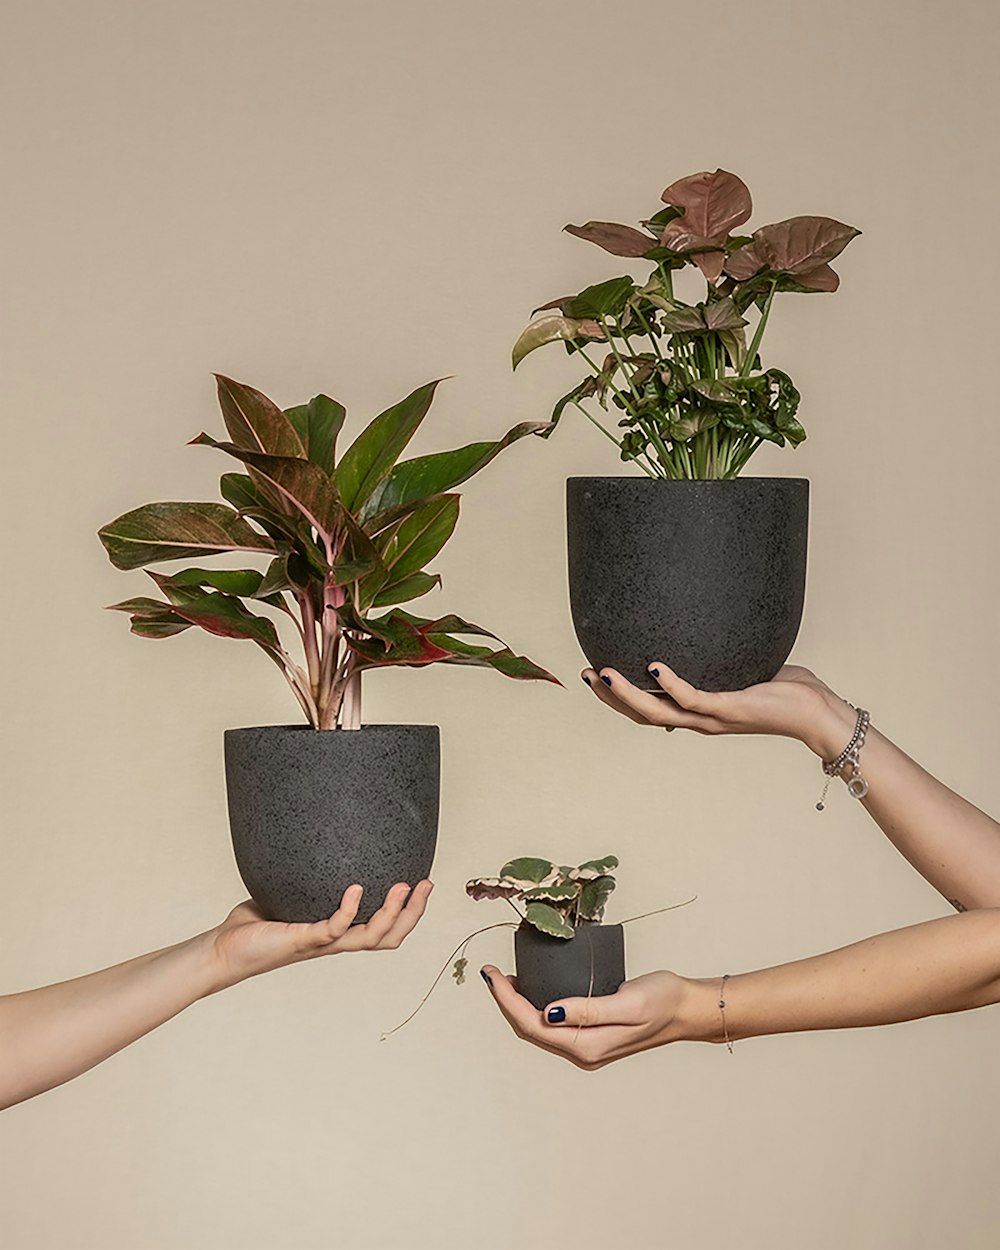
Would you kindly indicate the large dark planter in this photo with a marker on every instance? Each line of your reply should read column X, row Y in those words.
column 591, row 963
column 707, row 576
column 313, row 812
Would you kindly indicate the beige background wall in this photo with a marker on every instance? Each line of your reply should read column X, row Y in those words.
column 356, row 198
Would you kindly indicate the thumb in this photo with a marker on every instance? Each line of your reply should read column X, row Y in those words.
column 584, row 1012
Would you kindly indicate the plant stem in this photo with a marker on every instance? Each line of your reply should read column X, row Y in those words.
column 751, row 355
column 351, row 718
column 309, row 640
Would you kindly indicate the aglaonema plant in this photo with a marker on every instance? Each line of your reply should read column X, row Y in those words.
column 692, row 396
column 344, row 537
column 555, row 899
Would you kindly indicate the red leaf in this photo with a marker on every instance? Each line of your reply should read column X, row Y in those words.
column 614, row 238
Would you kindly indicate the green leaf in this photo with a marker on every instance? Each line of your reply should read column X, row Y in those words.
column 555, row 893
column 418, row 539
column 219, row 614
column 317, row 424
column 405, row 590
column 595, row 868
column 692, row 423
column 431, row 475
column 254, row 422
column 547, row 920
column 299, row 482
column 594, row 897
column 528, row 869
column 370, row 458
column 603, row 299
column 178, row 531
column 245, row 583
column 289, row 571
column 165, row 626
column 552, row 330
column 716, row 390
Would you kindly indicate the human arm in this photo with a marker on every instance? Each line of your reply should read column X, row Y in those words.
column 941, row 966
column 52, row 1034
column 950, row 842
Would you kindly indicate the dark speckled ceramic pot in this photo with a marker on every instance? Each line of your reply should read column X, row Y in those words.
column 314, row 812
column 707, row 576
column 592, row 962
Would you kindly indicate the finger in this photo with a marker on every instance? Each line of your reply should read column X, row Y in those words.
column 686, row 696
column 363, row 937
column 585, row 1051
column 652, row 709
column 600, row 688
column 588, row 1012
column 343, row 917
column 407, row 919
column 523, row 1018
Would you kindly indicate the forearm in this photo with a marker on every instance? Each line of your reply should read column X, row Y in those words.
column 52, row 1034
column 941, row 966
column 949, row 841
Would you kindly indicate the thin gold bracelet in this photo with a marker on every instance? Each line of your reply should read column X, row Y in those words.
column 722, row 1011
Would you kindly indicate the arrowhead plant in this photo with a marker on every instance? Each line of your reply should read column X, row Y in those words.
column 555, row 900
column 344, row 540
column 692, row 395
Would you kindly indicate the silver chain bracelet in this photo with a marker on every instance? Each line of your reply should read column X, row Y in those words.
column 857, row 787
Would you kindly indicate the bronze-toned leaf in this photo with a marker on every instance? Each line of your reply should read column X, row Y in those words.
column 491, row 887
column 800, row 244
column 178, row 531
column 551, row 330
column 254, row 422
column 616, row 239
column 822, row 279
column 743, row 263
column 594, row 897
column 713, row 204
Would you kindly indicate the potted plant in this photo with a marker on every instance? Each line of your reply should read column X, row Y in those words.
column 690, row 564
column 561, row 948
column 346, row 540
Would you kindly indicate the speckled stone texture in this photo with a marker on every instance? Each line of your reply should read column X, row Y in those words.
column 707, row 576
column 313, row 812
column 549, row 968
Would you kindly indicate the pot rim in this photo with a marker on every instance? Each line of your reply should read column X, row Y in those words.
column 375, row 728
column 653, row 482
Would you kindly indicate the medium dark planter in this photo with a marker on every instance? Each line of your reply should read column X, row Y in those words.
column 312, row 812
column 707, row 576
column 589, row 964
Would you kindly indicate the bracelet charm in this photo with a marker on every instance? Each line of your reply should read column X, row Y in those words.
column 857, row 787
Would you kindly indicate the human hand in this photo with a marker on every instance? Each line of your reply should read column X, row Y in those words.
column 649, row 1011
column 246, row 944
column 796, row 704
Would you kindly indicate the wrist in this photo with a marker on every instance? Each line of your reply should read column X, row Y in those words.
column 214, row 970
column 698, row 1017
column 830, row 727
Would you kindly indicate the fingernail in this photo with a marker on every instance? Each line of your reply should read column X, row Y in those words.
column 585, row 678
column 606, row 680
column 486, row 977
column 556, row 1015
column 655, row 672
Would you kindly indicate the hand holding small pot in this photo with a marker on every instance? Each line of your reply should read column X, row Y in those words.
column 593, row 1032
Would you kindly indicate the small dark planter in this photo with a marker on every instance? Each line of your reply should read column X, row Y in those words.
column 592, row 962
column 707, row 576
column 313, row 812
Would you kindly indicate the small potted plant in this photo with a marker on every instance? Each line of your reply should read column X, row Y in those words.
column 561, row 948
column 346, row 539
column 690, row 564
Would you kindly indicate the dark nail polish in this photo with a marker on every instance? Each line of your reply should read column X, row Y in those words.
column 486, row 977
column 655, row 672
column 585, row 678
column 557, row 1015
column 606, row 680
